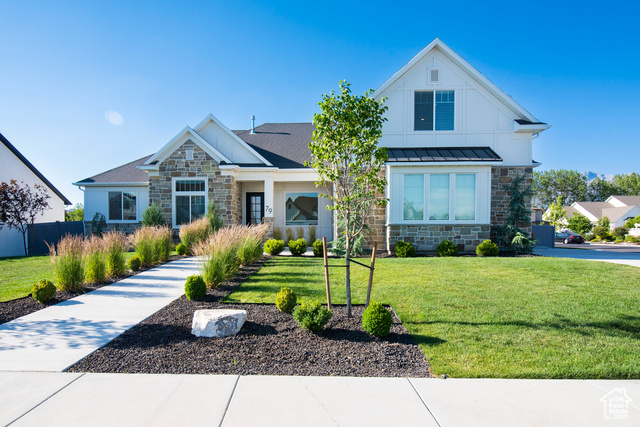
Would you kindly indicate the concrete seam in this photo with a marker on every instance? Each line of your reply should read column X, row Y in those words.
column 229, row 401
column 49, row 397
column 423, row 402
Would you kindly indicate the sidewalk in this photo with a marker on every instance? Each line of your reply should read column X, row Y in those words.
column 56, row 337
column 57, row 399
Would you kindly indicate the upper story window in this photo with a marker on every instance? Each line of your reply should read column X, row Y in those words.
column 190, row 200
column 434, row 110
column 122, row 206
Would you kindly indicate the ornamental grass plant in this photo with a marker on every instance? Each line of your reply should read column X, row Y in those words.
column 115, row 245
column 95, row 261
column 152, row 244
column 67, row 263
column 194, row 232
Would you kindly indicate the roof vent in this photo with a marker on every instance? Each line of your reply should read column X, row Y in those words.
column 434, row 75
column 253, row 124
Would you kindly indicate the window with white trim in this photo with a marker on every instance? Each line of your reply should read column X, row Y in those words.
column 434, row 109
column 190, row 200
column 444, row 197
column 122, row 206
column 301, row 209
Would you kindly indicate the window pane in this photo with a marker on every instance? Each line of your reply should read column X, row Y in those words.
column 465, row 196
column 190, row 185
column 182, row 210
column 301, row 208
column 115, row 205
column 423, row 111
column 413, row 197
column 439, row 197
column 129, row 206
column 444, row 109
column 197, row 207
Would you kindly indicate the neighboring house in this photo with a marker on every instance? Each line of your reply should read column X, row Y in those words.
column 617, row 208
column 13, row 165
column 454, row 141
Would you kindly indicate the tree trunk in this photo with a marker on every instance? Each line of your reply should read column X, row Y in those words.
column 24, row 242
column 348, row 275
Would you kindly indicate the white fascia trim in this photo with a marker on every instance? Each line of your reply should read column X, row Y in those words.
column 392, row 164
column 111, row 184
column 233, row 135
column 166, row 150
column 468, row 68
column 149, row 167
column 535, row 128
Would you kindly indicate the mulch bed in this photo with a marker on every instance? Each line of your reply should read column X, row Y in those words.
column 269, row 343
column 13, row 309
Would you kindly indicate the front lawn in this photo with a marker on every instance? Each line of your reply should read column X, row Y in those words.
column 491, row 317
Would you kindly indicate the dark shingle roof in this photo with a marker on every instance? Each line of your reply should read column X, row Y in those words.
column 285, row 145
column 442, row 154
column 124, row 173
column 33, row 169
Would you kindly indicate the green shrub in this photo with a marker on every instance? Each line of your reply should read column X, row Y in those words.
column 312, row 316
column 487, row 248
column 68, row 264
column 298, row 247
column 600, row 231
column 286, row 300
column 153, row 216
column 43, row 291
column 589, row 237
column 115, row 245
column 134, row 263
column 404, row 249
column 318, row 250
column 619, row 239
column 95, row 262
column 447, row 248
column 181, row 249
column 619, row 232
column 250, row 250
column 377, row 320
column 274, row 246
column 195, row 289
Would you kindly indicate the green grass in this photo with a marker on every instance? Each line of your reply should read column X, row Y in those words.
column 19, row 274
column 491, row 317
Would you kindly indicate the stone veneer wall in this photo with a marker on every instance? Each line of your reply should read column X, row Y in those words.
column 426, row 238
column 501, row 176
column 236, row 202
column 377, row 221
column 220, row 188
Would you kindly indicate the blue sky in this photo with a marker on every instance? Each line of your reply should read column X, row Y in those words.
column 87, row 86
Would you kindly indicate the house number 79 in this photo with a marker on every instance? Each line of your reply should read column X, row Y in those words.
column 267, row 210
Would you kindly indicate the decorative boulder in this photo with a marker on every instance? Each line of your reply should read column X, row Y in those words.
column 217, row 323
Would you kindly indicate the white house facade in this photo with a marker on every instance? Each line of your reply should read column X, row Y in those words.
column 454, row 141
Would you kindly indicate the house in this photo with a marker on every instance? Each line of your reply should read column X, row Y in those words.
column 617, row 208
column 454, row 141
column 13, row 165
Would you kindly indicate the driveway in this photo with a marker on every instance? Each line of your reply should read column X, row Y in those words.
column 617, row 254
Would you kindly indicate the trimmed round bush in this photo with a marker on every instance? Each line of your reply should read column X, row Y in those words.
column 273, row 246
column 134, row 263
column 286, row 300
column 312, row 316
column 195, row 289
column 298, row 247
column 404, row 249
column 182, row 249
column 43, row 291
column 377, row 320
column 317, row 248
column 487, row 248
column 447, row 248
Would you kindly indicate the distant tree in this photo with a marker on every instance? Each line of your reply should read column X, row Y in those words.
column 631, row 222
column 75, row 214
column 627, row 185
column 557, row 214
column 601, row 189
column 20, row 205
column 153, row 216
column 579, row 223
column 548, row 185
column 604, row 222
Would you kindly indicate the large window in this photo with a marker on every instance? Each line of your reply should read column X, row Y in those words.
column 434, row 109
column 190, row 200
column 445, row 197
column 301, row 208
column 122, row 206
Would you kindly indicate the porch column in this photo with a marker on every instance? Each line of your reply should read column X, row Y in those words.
column 268, row 205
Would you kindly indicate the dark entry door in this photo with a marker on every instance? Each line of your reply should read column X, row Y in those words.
column 255, row 208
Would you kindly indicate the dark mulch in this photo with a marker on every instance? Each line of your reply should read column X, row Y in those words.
column 269, row 343
column 10, row 310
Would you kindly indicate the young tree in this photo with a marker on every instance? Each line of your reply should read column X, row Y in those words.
column 347, row 158
column 580, row 223
column 75, row 214
column 214, row 217
column 153, row 216
column 20, row 205
column 512, row 237
column 557, row 214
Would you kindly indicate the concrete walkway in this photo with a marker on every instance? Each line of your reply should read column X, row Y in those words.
column 56, row 337
column 627, row 258
column 66, row 399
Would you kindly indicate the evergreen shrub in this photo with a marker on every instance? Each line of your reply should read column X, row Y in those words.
column 404, row 249
column 274, row 246
column 312, row 316
column 376, row 320
column 298, row 247
column 286, row 300
column 43, row 291
column 195, row 289
column 487, row 248
column 447, row 248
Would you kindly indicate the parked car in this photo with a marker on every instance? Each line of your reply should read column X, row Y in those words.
column 568, row 236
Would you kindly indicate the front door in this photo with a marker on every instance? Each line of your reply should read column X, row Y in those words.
column 255, row 208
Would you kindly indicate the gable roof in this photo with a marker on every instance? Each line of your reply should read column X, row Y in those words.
column 186, row 133
column 33, row 169
column 284, row 145
column 594, row 208
column 466, row 67
column 627, row 200
column 615, row 214
column 128, row 173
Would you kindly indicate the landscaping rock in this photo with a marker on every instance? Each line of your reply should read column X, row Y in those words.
column 217, row 323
